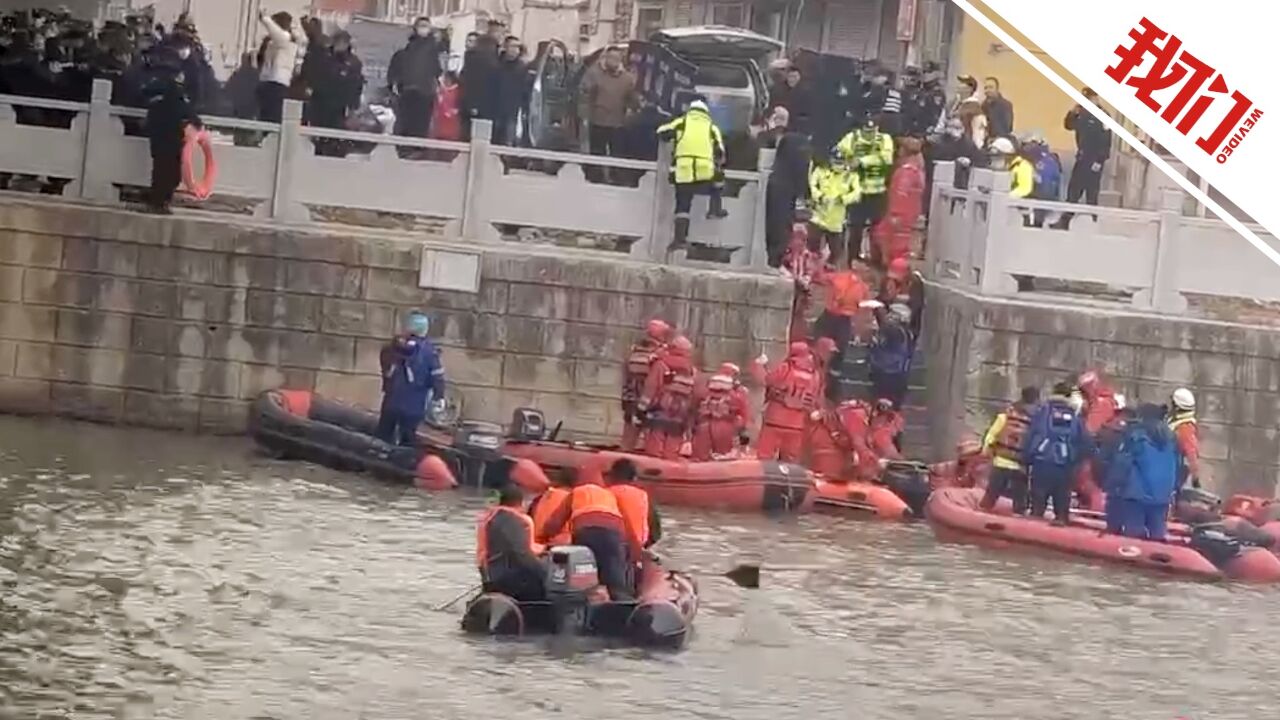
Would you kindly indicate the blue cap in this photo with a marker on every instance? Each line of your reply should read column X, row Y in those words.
column 416, row 323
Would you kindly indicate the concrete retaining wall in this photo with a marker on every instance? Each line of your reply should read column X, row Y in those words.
column 982, row 350
column 178, row 323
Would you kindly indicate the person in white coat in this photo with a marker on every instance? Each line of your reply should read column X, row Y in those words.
column 278, row 57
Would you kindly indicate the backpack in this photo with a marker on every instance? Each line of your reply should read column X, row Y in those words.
column 1058, row 446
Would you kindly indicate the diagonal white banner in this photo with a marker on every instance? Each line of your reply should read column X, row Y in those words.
column 1188, row 75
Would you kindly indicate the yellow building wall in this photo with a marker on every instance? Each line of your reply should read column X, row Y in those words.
column 1038, row 105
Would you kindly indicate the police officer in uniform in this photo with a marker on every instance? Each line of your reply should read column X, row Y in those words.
column 696, row 165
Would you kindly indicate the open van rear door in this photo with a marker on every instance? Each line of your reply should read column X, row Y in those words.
column 553, row 116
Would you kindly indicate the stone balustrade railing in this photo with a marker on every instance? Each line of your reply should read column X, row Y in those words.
column 472, row 188
column 981, row 238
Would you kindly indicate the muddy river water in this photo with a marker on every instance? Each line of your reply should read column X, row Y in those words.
column 155, row 575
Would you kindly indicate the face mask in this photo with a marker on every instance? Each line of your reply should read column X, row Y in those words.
column 184, row 53
column 422, row 31
column 955, row 132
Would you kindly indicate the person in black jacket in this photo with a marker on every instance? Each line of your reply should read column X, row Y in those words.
column 337, row 80
column 512, row 93
column 788, row 183
column 1093, row 149
column 413, row 75
column 478, row 80
column 998, row 109
column 796, row 97
column 169, row 112
column 954, row 146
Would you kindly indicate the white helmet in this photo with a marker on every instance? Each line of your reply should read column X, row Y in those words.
column 699, row 105
column 1002, row 146
column 1183, row 399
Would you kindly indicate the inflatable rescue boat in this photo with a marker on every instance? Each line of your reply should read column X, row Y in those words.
column 660, row 616
column 1200, row 554
column 303, row 425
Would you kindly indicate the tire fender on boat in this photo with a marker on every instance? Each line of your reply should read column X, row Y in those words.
column 434, row 474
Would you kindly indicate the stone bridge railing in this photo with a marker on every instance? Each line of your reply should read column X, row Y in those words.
column 472, row 188
column 981, row 238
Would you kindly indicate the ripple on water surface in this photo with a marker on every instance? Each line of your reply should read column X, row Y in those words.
column 156, row 575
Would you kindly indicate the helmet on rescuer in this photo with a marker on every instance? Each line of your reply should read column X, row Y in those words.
column 657, row 329
column 899, row 268
column 1183, row 399
column 729, row 369
column 681, row 345
column 798, row 349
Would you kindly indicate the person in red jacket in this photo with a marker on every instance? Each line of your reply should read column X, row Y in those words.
column 969, row 470
column 803, row 262
column 1101, row 406
column 640, row 361
column 891, row 236
column 791, row 394
column 446, row 116
column 667, row 400
column 838, row 445
column 721, row 418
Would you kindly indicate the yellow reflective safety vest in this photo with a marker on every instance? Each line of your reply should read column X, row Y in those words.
column 698, row 143
column 1024, row 177
column 831, row 191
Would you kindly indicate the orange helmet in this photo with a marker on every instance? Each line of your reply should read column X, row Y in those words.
column 825, row 347
column 899, row 268
column 969, row 447
column 1088, row 380
column 729, row 369
column 799, row 349
column 657, row 329
column 681, row 346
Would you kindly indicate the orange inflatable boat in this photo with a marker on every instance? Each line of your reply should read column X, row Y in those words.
column 955, row 516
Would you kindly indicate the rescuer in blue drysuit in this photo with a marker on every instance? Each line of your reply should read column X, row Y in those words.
column 1055, row 444
column 1148, row 490
column 412, row 376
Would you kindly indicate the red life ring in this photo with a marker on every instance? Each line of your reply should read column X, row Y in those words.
column 200, row 189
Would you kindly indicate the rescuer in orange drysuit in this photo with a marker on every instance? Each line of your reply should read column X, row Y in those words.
column 1101, row 405
column 803, row 262
column 886, row 426
column 791, row 393
column 838, row 445
column 667, row 400
column 639, row 361
column 721, row 419
column 970, row 469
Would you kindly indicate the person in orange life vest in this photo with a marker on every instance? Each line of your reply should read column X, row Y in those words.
column 1004, row 441
column 721, row 418
column 1101, row 405
column 903, row 285
column 841, row 317
column 640, row 361
column 791, row 393
column 544, row 507
column 506, row 551
column 970, row 469
column 885, row 431
column 803, row 262
column 639, row 512
column 891, row 235
column 838, row 442
column 593, row 520
column 667, row 401
column 1182, row 421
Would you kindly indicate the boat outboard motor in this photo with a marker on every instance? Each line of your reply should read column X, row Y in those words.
column 1215, row 544
column 909, row 481
column 527, row 425
column 478, row 444
column 571, row 577
column 1197, row 507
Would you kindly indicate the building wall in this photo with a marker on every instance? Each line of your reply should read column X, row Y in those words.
column 1038, row 104
column 980, row 351
column 178, row 323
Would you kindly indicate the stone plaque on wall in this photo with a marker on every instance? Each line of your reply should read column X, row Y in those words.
column 450, row 270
